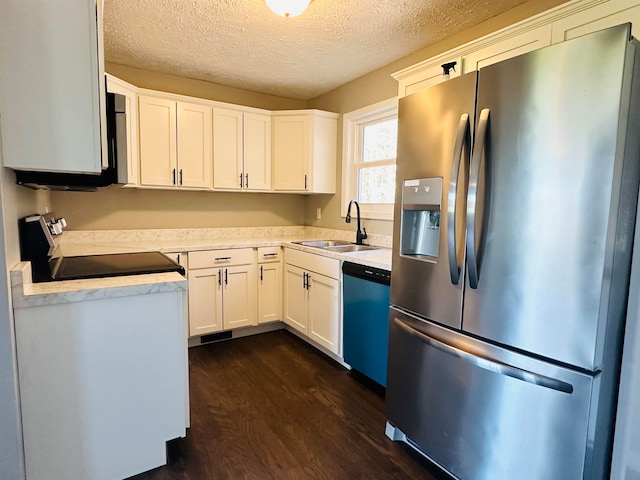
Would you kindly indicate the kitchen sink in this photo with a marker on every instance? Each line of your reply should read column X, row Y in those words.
column 324, row 243
column 340, row 246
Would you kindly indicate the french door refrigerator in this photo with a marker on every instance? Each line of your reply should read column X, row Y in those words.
column 516, row 200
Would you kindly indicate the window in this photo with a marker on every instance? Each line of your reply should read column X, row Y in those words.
column 370, row 137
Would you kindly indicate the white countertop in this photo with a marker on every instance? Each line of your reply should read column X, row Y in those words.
column 26, row 293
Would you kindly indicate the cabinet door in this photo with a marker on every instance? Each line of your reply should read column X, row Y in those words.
column 205, row 301
column 324, row 311
column 601, row 16
column 269, row 292
column 52, row 88
column 239, row 297
column 131, row 97
column 227, row 149
column 291, row 145
column 522, row 43
column 257, row 151
column 157, row 141
column 295, row 299
column 194, row 145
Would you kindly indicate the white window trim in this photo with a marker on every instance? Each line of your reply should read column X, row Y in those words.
column 351, row 126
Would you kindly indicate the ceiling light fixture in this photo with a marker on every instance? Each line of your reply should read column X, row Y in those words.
column 288, row 8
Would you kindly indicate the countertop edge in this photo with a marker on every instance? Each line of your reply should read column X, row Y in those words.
column 26, row 294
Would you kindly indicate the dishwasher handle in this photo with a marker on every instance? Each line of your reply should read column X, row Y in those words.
column 372, row 274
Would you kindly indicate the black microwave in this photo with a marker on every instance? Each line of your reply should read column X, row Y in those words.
column 116, row 171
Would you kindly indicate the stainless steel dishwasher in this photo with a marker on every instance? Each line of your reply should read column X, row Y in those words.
column 366, row 319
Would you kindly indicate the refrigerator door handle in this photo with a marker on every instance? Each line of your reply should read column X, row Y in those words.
column 472, row 199
column 487, row 364
column 463, row 137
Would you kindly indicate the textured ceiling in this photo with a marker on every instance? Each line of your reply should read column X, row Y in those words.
column 242, row 43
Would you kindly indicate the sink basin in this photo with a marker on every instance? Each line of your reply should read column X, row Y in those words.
column 350, row 248
column 338, row 246
column 324, row 243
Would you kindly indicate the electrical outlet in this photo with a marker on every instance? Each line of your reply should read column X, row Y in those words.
column 318, row 213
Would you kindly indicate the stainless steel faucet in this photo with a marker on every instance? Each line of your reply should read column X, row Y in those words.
column 360, row 236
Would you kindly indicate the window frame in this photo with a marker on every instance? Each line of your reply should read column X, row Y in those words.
column 353, row 124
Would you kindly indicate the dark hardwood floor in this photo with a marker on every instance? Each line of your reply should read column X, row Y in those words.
column 272, row 407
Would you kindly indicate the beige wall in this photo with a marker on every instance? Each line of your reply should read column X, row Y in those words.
column 121, row 208
column 201, row 89
column 379, row 85
column 17, row 202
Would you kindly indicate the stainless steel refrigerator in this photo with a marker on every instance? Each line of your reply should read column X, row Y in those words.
column 516, row 200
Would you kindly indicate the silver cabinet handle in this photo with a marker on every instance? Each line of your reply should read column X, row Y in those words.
column 219, row 277
column 487, row 364
column 260, row 272
column 246, row 180
column 173, row 174
column 472, row 199
column 463, row 138
column 241, row 181
column 222, row 259
column 305, row 182
column 226, row 276
column 180, row 176
column 270, row 255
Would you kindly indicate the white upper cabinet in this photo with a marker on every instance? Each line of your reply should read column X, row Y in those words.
column 157, row 127
column 291, row 143
column 115, row 85
column 194, row 145
column 175, row 143
column 601, row 16
column 227, row 149
column 304, row 151
column 257, row 151
column 241, row 150
column 564, row 22
column 516, row 45
column 52, row 92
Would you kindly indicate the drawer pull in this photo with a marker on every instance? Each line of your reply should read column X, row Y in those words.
column 270, row 255
column 223, row 259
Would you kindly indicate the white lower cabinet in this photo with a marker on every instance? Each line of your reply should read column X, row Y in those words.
column 269, row 284
column 100, row 396
column 296, row 298
column 324, row 311
column 312, row 298
column 222, row 290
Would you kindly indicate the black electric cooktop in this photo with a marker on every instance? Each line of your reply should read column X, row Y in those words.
column 112, row 265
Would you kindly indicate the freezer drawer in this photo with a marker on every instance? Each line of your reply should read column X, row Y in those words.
column 482, row 412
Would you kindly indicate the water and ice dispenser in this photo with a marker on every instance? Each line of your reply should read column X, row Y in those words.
column 421, row 212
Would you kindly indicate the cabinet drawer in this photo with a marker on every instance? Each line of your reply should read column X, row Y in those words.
column 269, row 254
column 329, row 267
column 220, row 258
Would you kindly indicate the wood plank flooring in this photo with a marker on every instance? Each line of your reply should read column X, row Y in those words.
column 272, row 407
